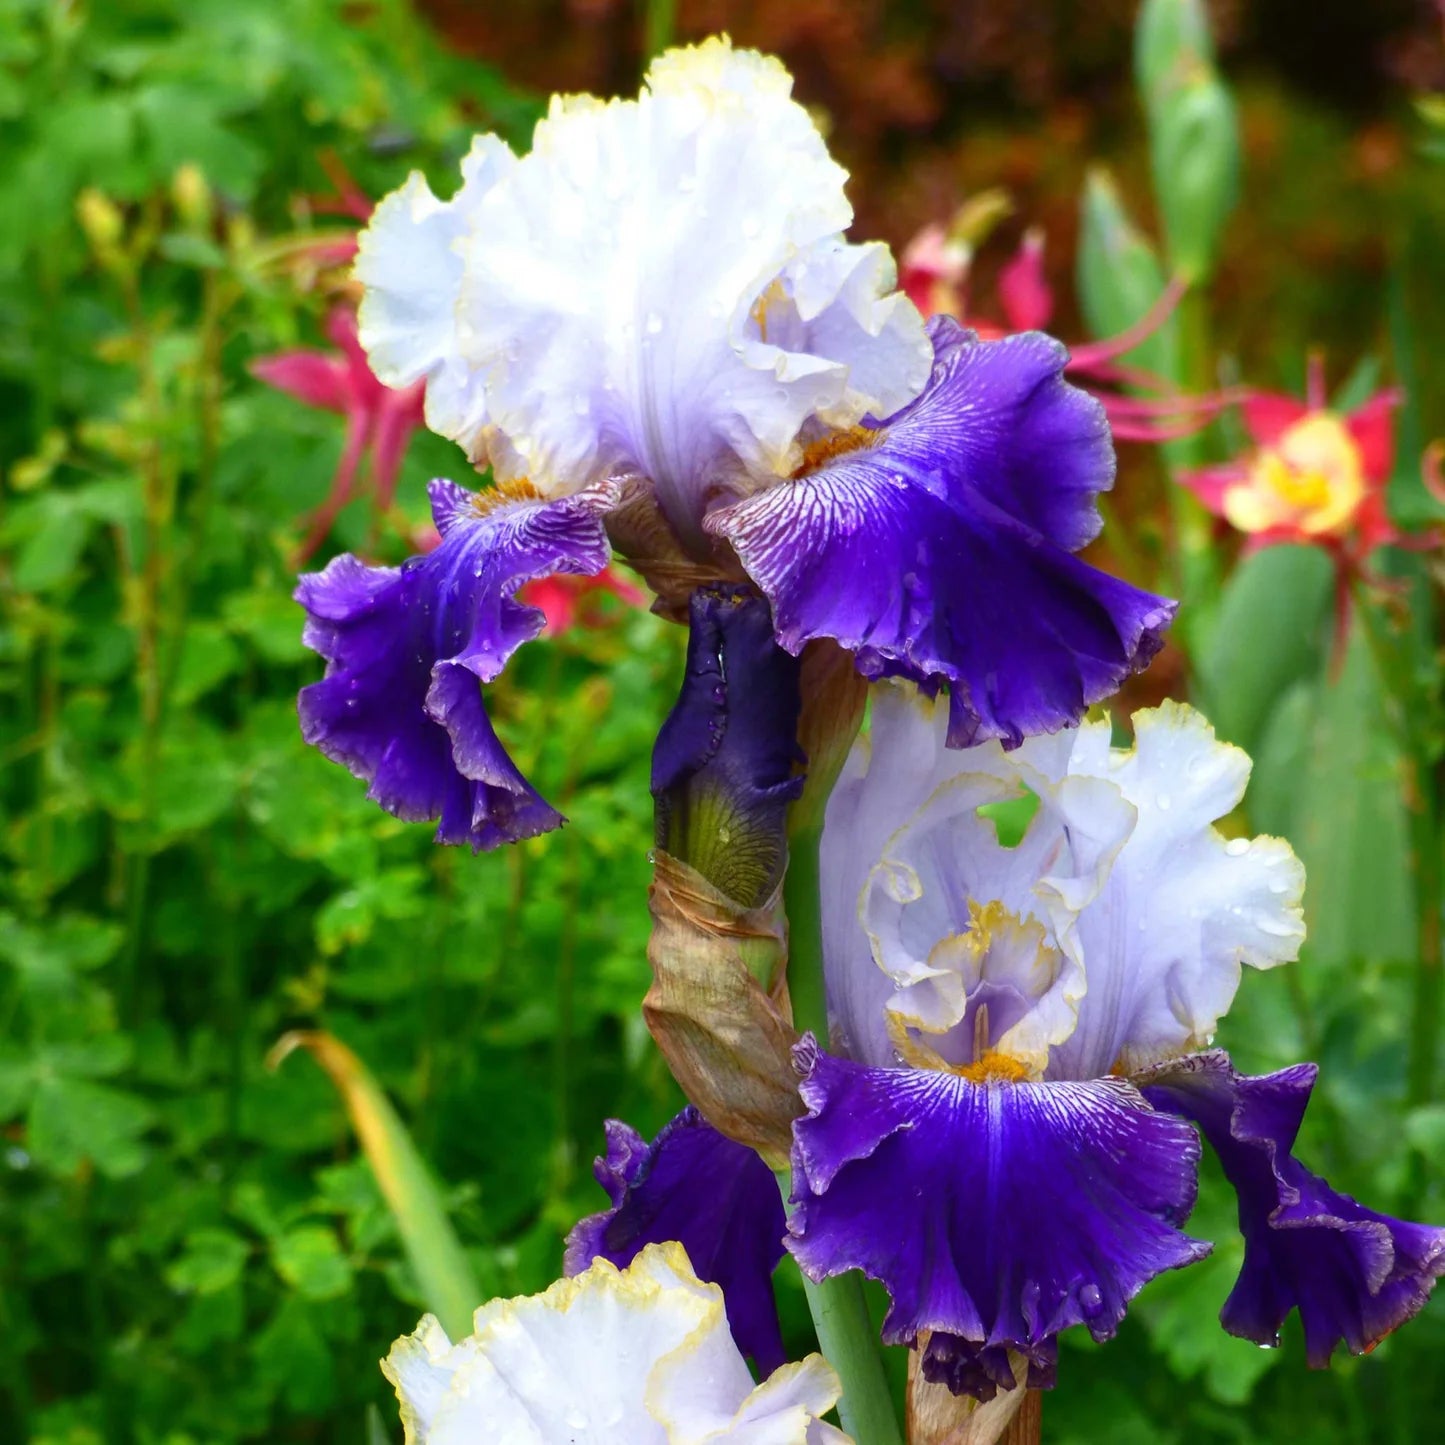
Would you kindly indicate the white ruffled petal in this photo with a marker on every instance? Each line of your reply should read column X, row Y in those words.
column 889, row 774
column 641, row 1356
column 1111, row 936
column 1184, row 909
column 957, row 921
column 659, row 289
column 411, row 272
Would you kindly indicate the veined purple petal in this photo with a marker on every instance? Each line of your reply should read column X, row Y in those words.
column 407, row 649
column 942, row 548
column 716, row 1198
column 997, row 1212
column 1353, row 1274
column 723, row 768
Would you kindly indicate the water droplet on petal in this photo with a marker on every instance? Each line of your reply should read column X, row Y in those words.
column 654, row 323
column 1237, row 847
column 1165, row 802
column 1090, row 1300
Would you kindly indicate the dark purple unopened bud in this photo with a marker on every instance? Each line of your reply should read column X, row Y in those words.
column 727, row 761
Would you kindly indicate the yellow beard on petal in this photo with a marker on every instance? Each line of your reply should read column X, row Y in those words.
column 501, row 494
column 836, row 444
column 991, row 926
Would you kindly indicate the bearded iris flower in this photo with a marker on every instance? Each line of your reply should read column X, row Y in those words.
column 1001, row 1128
column 652, row 330
column 640, row 1356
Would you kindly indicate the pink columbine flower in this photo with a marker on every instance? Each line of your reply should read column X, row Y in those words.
column 564, row 598
column 379, row 420
column 934, row 274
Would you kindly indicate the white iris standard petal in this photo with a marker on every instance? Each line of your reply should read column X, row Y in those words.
column 661, row 288
column 1185, row 909
column 641, row 1356
column 1111, row 936
column 411, row 275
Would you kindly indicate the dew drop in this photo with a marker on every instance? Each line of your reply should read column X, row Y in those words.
column 1237, row 847
column 1090, row 1299
column 1165, row 802
column 1278, row 886
column 654, row 324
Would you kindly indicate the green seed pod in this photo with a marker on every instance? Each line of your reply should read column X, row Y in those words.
column 1194, row 144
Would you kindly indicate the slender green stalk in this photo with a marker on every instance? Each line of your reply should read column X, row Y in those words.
column 846, row 1334
column 849, row 1342
column 1196, row 567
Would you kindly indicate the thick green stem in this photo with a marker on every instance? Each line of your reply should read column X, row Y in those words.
column 846, row 1334
column 849, row 1342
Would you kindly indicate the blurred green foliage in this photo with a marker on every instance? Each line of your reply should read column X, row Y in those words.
column 192, row 1249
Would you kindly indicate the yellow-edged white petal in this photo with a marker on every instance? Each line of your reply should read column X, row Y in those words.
column 641, row 1356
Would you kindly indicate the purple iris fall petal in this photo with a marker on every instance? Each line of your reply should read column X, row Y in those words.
column 726, row 762
column 407, row 649
column 1353, row 1274
column 941, row 548
column 716, row 1198
column 1024, row 1208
